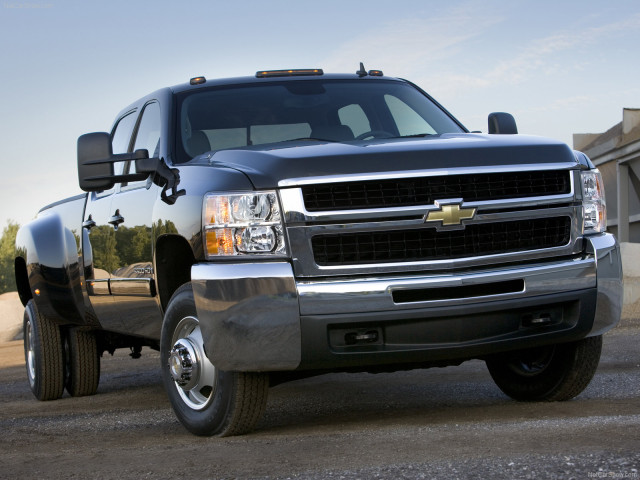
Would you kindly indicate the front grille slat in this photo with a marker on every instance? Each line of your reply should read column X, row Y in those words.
column 427, row 244
column 389, row 193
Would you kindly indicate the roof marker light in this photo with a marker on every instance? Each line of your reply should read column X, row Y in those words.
column 197, row 80
column 289, row 73
column 372, row 73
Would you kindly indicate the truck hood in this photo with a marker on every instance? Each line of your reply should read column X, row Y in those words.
column 268, row 166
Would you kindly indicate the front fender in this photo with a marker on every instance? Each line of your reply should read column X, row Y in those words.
column 606, row 250
column 249, row 315
column 49, row 250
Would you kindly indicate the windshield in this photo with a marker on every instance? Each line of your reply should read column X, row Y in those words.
column 312, row 110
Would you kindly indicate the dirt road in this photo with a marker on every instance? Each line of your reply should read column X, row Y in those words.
column 439, row 423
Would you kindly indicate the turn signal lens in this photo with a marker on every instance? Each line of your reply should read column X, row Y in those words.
column 594, row 205
column 242, row 223
column 219, row 241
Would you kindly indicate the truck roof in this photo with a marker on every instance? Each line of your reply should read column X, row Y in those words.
column 196, row 83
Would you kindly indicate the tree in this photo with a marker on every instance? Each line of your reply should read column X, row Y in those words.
column 103, row 243
column 7, row 257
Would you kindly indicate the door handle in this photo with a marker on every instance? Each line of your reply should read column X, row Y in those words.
column 89, row 223
column 117, row 219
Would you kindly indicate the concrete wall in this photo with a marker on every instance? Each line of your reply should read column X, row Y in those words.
column 609, row 171
column 631, row 271
column 616, row 153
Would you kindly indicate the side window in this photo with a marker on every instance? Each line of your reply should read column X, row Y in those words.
column 354, row 117
column 408, row 121
column 121, row 137
column 121, row 134
column 148, row 135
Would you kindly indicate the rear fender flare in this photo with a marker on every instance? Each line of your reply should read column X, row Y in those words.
column 50, row 252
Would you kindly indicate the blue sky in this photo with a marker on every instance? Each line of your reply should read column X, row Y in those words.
column 68, row 67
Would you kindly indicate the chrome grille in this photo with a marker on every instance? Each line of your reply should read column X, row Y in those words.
column 401, row 192
column 523, row 214
column 427, row 244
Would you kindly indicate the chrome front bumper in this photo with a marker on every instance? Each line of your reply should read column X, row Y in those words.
column 250, row 313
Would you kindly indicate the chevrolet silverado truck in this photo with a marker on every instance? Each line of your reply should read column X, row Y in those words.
column 263, row 229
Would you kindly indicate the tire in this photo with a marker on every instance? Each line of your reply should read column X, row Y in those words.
column 207, row 401
column 82, row 363
column 551, row 373
column 43, row 353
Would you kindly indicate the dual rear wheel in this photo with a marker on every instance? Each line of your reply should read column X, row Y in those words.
column 58, row 358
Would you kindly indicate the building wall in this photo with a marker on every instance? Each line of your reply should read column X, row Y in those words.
column 620, row 145
column 610, row 176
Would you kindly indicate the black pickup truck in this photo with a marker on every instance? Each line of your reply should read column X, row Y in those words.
column 262, row 229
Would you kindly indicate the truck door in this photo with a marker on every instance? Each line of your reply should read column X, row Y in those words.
column 99, row 242
column 132, row 283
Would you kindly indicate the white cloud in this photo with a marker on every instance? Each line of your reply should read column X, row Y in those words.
column 540, row 57
column 407, row 46
column 434, row 50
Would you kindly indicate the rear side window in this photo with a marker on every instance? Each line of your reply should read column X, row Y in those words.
column 121, row 134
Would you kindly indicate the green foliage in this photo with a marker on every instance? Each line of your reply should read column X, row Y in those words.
column 111, row 249
column 103, row 245
column 7, row 257
column 126, row 246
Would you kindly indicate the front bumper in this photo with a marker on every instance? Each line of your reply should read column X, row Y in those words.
column 257, row 317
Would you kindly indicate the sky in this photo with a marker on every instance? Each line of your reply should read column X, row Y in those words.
column 68, row 67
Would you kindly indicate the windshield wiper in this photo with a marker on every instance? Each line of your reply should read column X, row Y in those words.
column 417, row 135
column 312, row 138
column 301, row 139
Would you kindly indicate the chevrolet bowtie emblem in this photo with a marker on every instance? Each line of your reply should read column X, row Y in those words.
column 450, row 214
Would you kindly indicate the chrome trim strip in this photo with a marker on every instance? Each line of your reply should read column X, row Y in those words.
column 98, row 287
column 357, row 177
column 294, row 210
column 136, row 287
column 305, row 265
column 370, row 224
column 376, row 294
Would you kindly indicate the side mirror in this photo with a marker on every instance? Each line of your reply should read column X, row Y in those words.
column 93, row 173
column 96, row 159
column 502, row 123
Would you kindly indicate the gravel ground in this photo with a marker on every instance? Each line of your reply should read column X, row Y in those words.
column 444, row 423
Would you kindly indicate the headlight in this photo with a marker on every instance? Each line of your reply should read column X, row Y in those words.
column 242, row 223
column 594, row 206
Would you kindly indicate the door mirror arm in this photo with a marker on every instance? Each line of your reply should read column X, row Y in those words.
column 161, row 175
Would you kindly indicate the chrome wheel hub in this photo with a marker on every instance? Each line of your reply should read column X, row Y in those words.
column 193, row 375
column 183, row 364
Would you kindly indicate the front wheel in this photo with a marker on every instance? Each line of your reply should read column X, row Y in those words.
column 206, row 400
column 549, row 373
